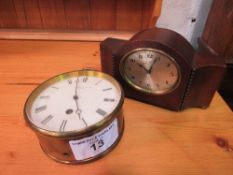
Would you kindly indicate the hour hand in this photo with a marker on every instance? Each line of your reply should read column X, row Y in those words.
column 141, row 66
column 151, row 66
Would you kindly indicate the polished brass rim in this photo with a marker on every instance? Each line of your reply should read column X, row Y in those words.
column 144, row 90
column 82, row 132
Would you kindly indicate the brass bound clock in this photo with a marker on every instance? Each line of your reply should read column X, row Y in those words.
column 160, row 67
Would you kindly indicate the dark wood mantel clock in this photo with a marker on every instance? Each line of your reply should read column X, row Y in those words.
column 160, row 67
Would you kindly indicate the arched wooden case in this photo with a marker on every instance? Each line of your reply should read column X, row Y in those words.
column 201, row 70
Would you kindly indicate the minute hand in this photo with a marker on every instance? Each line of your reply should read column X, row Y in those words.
column 151, row 66
column 78, row 111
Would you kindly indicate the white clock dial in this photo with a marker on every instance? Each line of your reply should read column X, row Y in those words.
column 150, row 70
column 74, row 103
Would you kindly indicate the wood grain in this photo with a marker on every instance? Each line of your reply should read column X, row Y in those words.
column 33, row 14
column 52, row 14
column 79, row 14
column 71, row 35
column 20, row 12
column 129, row 14
column 155, row 141
column 7, row 14
column 103, row 14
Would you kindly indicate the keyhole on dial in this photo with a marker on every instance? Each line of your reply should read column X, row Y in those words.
column 69, row 111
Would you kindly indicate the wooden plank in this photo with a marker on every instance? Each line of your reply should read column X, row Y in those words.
column 81, row 35
column 147, row 11
column 20, row 12
column 155, row 141
column 32, row 12
column 129, row 14
column 52, row 14
column 219, row 31
column 77, row 14
column 8, row 17
column 103, row 15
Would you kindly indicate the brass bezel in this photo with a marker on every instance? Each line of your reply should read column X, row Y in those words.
column 144, row 90
column 76, row 133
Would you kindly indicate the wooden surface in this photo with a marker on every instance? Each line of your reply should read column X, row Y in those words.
column 79, row 14
column 80, row 35
column 155, row 141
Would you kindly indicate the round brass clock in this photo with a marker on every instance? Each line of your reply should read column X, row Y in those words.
column 77, row 116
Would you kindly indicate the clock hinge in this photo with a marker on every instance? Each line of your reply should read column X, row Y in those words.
column 185, row 98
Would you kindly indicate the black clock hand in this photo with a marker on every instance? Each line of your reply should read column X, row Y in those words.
column 147, row 71
column 151, row 66
column 78, row 111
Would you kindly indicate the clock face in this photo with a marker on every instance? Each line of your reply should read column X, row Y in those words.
column 73, row 102
column 150, row 71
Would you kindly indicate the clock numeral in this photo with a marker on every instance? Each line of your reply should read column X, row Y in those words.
column 140, row 56
column 109, row 100
column 172, row 74
column 167, row 82
column 44, row 97
column 133, row 77
column 40, row 109
column 132, row 60
column 46, row 120
column 101, row 112
column 85, row 79
column 149, row 55
column 54, row 87
column 107, row 89
column 69, row 81
column 98, row 82
column 168, row 64
column 62, row 126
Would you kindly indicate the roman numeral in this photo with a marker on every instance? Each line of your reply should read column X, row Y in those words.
column 44, row 97
column 46, row 120
column 69, row 81
column 85, row 79
column 54, row 87
column 40, row 109
column 109, row 99
column 62, row 126
column 107, row 89
column 101, row 112
column 98, row 82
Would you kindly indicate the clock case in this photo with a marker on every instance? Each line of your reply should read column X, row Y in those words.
column 201, row 70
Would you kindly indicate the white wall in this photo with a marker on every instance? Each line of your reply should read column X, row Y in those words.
column 186, row 17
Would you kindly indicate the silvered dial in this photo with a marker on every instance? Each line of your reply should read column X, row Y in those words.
column 73, row 102
column 150, row 70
